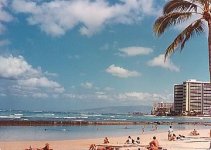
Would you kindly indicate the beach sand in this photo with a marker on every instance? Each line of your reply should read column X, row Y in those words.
column 201, row 142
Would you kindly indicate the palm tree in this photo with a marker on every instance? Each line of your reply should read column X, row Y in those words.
column 179, row 11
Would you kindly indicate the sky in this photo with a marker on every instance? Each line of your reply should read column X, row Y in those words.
column 64, row 55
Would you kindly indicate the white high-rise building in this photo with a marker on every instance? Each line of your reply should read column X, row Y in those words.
column 192, row 96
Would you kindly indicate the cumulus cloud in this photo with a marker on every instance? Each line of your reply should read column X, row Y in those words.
column 121, row 72
column 4, row 15
column 159, row 62
column 16, row 67
column 24, row 80
column 38, row 82
column 55, row 17
column 134, row 51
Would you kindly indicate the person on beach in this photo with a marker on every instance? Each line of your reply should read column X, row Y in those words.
column 92, row 147
column 180, row 137
column 170, row 132
column 47, row 147
column 138, row 140
column 194, row 132
column 106, row 141
column 153, row 145
column 156, row 127
column 173, row 138
column 129, row 140
column 143, row 129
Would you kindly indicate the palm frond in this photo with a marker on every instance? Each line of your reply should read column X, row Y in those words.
column 163, row 22
column 194, row 28
column 179, row 6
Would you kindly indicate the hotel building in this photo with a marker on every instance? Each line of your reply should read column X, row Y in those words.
column 192, row 97
column 162, row 109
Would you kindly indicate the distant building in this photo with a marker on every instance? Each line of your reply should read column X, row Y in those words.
column 162, row 109
column 192, row 97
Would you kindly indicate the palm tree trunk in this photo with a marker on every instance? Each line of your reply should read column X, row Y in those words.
column 209, row 46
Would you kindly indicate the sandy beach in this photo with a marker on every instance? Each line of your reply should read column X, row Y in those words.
column 201, row 142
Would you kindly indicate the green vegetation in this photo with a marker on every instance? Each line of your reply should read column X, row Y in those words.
column 179, row 11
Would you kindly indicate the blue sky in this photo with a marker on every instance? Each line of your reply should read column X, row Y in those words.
column 74, row 54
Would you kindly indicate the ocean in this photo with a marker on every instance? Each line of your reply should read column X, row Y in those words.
column 11, row 133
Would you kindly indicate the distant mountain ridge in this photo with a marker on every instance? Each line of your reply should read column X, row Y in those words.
column 120, row 109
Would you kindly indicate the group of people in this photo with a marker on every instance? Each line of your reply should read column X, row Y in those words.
column 105, row 141
column 171, row 135
column 46, row 147
column 153, row 145
column 132, row 141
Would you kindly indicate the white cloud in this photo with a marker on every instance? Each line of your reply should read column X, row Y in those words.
column 87, row 85
column 26, row 80
column 40, row 95
column 124, row 98
column 101, row 96
column 69, row 95
column 38, row 82
column 50, row 74
column 144, row 97
column 4, row 15
column 16, row 67
column 55, row 17
column 159, row 62
column 121, row 72
column 134, row 51
column 137, row 95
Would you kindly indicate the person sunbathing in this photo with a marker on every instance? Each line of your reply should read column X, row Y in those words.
column 180, row 137
column 173, row 138
column 92, row 147
column 153, row 145
column 194, row 132
column 129, row 140
column 30, row 148
column 138, row 140
column 106, row 141
column 46, row 147
column 104, row 148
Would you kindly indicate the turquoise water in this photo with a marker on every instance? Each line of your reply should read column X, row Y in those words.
column 78, row 132
column 11, row 133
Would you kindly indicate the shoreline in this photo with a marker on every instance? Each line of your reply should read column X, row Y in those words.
column 95, row 123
